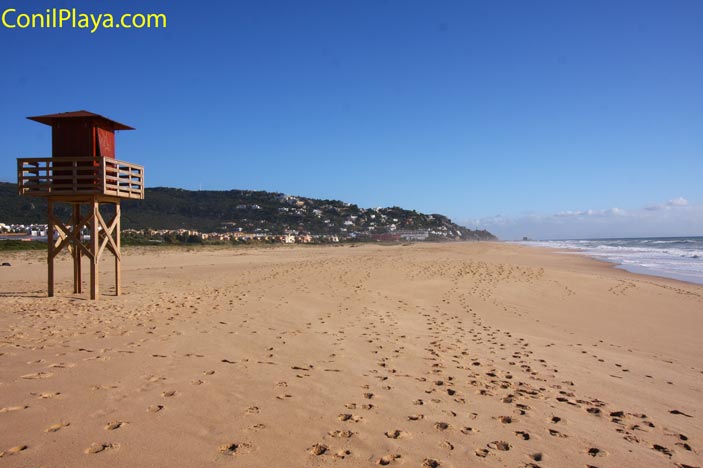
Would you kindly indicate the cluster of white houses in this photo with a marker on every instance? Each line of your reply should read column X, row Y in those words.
column 287, row 238
column 39, row 232
column 22, row 231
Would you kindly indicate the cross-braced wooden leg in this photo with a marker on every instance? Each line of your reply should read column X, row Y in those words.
column 118, row 273
column 76, row 231
column 50, row 256
column 94, row 248
column 109, row 239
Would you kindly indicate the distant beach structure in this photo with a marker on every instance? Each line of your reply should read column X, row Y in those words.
column 82, row 172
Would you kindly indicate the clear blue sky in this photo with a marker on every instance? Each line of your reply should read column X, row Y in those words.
column 491, row 112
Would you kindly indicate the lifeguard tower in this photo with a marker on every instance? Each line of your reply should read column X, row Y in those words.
column 83, row 173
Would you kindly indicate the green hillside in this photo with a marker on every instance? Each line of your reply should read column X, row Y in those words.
column 248, row 211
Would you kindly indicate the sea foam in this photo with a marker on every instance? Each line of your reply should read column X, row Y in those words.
column 672, row 257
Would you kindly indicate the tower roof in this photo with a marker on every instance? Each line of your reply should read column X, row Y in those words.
column 50, row 119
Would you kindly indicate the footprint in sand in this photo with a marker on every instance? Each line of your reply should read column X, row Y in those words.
column 500, row 445
column 342, row 454
column 61, row 365
column 112, row 425
column 99, row 447
column 56, row 427
column 594, row 411
column 154, row 408
column 446, row 445
column 556, row 433
column 349, row 417
column 9, row 409
column 684, row 446
column 396, row 434
column 232, row 448
column 38, row 375
column 596, row 452
column 387, row 459
column 343, row 434
column 168, row 393
column 441, row 426
column 14, row 450
column 661, row 449
column 318, row 449
column 45, row 395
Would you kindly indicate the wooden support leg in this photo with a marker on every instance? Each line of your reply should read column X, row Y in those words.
column 95, row 250
column 79, row 273
column 50, row 255
column 76, row 229
column 118, row 273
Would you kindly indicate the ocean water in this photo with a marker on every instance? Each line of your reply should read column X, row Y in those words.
column 671, row 257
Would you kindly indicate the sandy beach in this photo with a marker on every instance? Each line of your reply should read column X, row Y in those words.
column 424, row 355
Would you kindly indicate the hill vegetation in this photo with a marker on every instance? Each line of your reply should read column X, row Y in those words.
column 249, row 211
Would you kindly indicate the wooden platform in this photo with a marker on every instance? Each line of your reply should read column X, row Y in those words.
column 79, row 178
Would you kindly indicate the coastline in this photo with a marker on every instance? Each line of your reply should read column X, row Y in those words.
column 692, row 277
column 463, row 353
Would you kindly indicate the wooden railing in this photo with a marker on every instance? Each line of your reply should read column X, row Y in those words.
column 122, row 179
column 75, row 176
